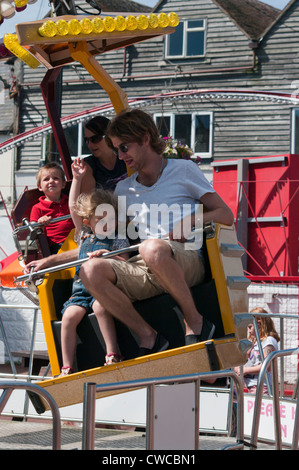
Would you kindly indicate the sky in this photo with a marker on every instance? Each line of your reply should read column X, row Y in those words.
column 275, row 3
column 40, row 8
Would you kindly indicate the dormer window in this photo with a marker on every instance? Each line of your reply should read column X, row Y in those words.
column 188, row 40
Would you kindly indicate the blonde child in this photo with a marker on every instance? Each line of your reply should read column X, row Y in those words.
column 269, row 339
column 95, row 234
column 53, row 204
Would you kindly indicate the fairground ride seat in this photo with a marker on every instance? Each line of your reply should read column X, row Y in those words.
column 222, row 297
column 29, row 238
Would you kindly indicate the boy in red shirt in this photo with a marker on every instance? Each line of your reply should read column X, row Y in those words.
column 51, row 181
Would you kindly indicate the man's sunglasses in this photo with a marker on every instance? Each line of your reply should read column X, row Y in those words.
column 94, row 139
column 124, row 148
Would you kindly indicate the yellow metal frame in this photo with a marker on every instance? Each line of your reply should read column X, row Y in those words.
column 218, row 275
column 230, row 350
column 47, row 305
column 79, row 52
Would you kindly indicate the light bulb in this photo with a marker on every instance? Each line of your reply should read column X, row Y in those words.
column 173, row 19
column 86, row 26
column 12, row 44
column 131, row 22
column 98, row 25
column 153, row 20
column 142, row 22
column 109, row 24
column 74, row 27
column 48, row 29
column 163, row 20
column 20, row 3
column 62, row 27
column 6, row 9
column 120, row 23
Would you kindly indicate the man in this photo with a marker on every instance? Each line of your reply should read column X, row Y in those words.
column 162, row 265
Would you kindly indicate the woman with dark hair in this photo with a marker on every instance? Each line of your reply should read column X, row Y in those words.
column 104, row 169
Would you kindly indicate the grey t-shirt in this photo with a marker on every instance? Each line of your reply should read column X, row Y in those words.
column 255, row 359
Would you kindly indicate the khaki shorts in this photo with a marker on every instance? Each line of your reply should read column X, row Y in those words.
column 137, row 281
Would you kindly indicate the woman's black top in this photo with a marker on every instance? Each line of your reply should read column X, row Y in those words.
column 106, row 179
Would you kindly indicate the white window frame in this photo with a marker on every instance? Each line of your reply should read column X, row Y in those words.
column 202, row 155
column 186, row 30
column 211, row 126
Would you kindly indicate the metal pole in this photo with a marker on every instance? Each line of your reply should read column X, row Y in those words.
column 150, row 419
column 89, row 405
column 196, row 413
column 259, row 392
column 276, row 407
column 281, row 323
column 72, row 264
column 26, row 402
column 49, row 399
column 12, row 364
column 32, row 225
column 296, row 427
column 258, row 339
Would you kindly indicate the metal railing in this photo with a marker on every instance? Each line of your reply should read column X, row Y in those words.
column 271, row 360
column 281, row 317
column 5, row 340
column 9, row 387
column 91, row 390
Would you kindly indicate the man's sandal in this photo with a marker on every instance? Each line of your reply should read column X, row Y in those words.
column 113, row 358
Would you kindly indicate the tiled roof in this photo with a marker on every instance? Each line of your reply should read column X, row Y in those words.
column 252, row 16
column 122, row 5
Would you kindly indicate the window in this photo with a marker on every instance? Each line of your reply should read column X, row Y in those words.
column 194, row 130
column 75, row 140
column 188, row 40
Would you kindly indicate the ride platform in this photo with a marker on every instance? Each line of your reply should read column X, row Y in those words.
column 222, row 298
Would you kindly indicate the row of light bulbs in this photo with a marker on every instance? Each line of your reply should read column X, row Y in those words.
column 107, row 24
column 9, row 7
column 86, row 26
column 12, row 44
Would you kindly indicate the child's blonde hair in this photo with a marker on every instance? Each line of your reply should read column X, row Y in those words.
column 86, row 204
column 49, row 166
column 265, row 325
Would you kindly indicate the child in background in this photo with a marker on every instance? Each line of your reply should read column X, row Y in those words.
column 269, row 339
column 95, row 235
column 53, row 204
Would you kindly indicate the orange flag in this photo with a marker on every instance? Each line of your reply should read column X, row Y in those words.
column 11, row 268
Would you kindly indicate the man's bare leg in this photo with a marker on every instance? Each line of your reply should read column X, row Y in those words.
column 158, row 256
column 99, row 279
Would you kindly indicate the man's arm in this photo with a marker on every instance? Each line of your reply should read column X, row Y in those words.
column 217, row 210
column 52, row 260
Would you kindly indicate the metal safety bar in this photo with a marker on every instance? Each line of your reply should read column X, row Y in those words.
column 32, row 225
column 271, row 361
column 111, row 254
column 9, row 387
column 72, row 264
column 91, row 389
